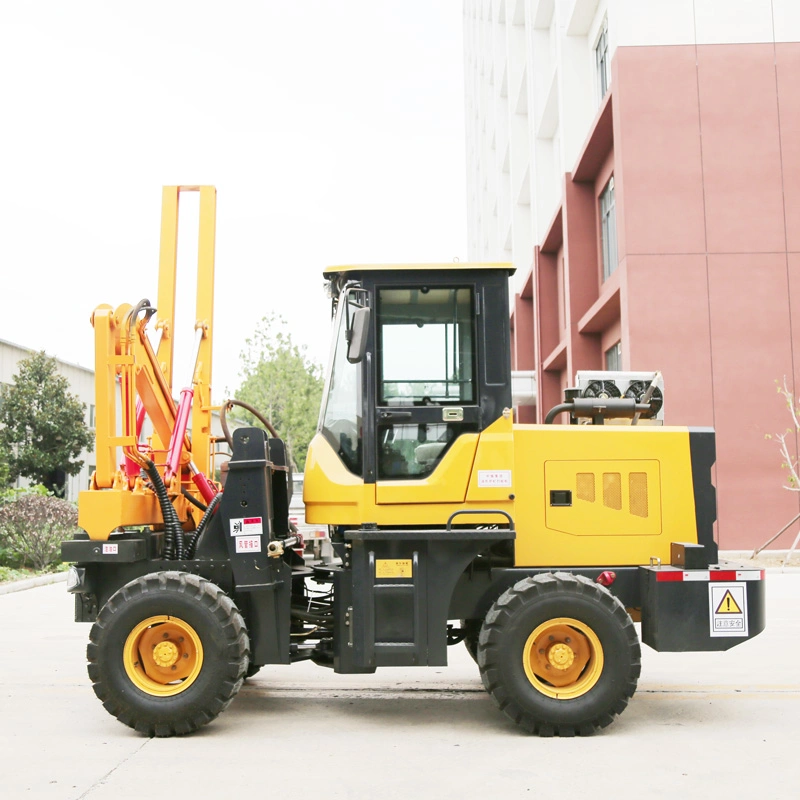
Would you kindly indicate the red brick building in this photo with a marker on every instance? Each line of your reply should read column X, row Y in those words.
column 672, row 238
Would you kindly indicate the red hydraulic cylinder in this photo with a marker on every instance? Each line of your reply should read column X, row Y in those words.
column 178, row 433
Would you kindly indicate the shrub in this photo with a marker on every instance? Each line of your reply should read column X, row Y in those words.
column 33, row 525
column 8, row 574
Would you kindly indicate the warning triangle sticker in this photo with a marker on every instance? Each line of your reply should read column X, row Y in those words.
column 728, row 605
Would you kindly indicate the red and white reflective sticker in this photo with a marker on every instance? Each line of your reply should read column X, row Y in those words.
column 110, row 549
column 248, row 544
column 247, row 526
column 667, row 574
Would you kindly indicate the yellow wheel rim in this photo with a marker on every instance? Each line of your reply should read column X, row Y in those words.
column 563, row 658
column 163, row 656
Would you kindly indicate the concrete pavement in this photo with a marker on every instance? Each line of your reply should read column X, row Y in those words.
column 704, row 725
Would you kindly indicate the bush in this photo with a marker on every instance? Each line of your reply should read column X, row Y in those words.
column 33, row 525
column 8, row 574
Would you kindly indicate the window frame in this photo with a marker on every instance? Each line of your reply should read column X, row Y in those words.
column 601, row 62
column 609, row 249
column 613, row 354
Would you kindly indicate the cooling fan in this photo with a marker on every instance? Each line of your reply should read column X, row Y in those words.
column 637, row 390
column 602, row 390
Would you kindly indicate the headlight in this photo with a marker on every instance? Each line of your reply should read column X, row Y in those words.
column 76, row 577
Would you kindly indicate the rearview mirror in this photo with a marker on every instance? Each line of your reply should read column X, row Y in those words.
column 357, row 335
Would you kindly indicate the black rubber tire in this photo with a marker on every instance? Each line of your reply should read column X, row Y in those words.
column 220, row 628
column 512, row 619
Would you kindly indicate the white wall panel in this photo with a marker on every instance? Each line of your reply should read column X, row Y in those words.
column 733, row 21
column 786, row 14
column 653, row 22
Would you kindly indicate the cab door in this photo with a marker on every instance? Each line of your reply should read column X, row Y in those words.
column 427, row 410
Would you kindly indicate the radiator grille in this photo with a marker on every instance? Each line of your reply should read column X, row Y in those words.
column 585, row 486
column 612, row 490
column 638, row 494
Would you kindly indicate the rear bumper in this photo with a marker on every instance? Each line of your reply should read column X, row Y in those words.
column 701, row 609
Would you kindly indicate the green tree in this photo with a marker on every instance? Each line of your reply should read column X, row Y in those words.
column 283, row 384
column 43, row 430
column 3, row 465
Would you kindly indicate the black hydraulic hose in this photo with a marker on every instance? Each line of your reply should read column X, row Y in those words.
column 193, row 500
column 194, row 538
column 309, row 617
column 173, row 531
column 142, row 305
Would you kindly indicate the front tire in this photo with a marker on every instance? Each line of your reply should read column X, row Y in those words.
column 168, row 653
column 559, row 654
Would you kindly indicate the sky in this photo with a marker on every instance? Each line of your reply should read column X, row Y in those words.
column 332, row 129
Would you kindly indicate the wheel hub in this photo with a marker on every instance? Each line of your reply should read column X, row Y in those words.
column 561, row 656
column 165, row 654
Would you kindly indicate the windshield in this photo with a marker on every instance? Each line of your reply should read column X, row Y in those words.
column 340, row 421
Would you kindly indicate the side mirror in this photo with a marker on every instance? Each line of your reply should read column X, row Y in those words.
column 357, row 335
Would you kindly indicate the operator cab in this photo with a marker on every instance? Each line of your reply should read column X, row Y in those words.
column 420, row 357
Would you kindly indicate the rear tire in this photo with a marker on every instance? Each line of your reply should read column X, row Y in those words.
column 168, row 653
column 559, row 654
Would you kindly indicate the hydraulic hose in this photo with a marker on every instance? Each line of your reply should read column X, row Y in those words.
column 193, row 500
column 173, row 531
column 194, row 537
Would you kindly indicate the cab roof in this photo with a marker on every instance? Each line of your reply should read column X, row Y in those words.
column 452, row 266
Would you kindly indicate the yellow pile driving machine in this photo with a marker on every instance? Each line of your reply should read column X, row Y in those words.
column 538, row 546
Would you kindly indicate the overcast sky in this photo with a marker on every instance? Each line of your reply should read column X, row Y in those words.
column 332, row 129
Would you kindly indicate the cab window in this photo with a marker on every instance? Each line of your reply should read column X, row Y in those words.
column 426, row 342
column 341, row 421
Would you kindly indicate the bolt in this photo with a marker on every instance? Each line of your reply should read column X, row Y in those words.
column 166, row 636
column 174, row 667
column 547, row 666
column 186, row 655
column 180, row 639
column 567, row 640
column 552, row 638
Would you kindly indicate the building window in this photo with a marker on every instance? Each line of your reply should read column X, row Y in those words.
column 614, row 358
column 92, row 417
column 608, row 229
column 602, row 62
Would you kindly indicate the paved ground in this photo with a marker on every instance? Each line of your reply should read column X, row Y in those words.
column 721, row 725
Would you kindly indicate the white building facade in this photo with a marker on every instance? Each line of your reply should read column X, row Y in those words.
column 639, row 163
column 536, row 73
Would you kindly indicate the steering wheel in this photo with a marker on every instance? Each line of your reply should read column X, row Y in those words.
column 223, row 421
